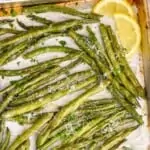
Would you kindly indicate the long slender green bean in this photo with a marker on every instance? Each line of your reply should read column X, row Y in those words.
column 7, row 30
column 24, row 146
column 97, row 102
column 6, row 21
column 80, row 40
column 101, row 107
column 27, row 133
column 28, row 118
column 61, row 9
column 130, row 98
column 22, row 120
column 15, row 51
column 118, row 144
column 2, row 126
column 40, row 19
column 14, row 56
column 105, row 111
column 7, row 54
column 22, row 25
column 28, row 70
column 42, row 50
column 51, row 142
column 91, row 63
column 40, row 66
column 127, row 98
column 6, row 141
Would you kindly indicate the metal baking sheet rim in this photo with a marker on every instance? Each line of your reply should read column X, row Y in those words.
column 144, row 21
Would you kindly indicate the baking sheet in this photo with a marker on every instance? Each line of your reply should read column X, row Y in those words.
column 144, row 21
column 139, row 139
column 28, row 2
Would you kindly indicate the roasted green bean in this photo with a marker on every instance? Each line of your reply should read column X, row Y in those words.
column 27, row 133
column 40, row 19
column 61, row 9
column 42, row 50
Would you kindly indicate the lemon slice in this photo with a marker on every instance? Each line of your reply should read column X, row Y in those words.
column 129, row 33
column 111, row 7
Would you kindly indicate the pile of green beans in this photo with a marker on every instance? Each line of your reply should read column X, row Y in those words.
column 82, row 123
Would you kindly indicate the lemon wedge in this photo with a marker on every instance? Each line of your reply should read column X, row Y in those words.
column 129, row 33
column 111, row 7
